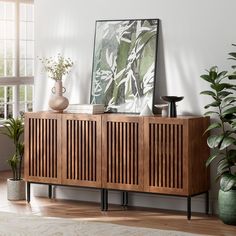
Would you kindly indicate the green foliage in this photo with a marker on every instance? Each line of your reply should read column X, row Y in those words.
column 57, row 68
column 223, row 109
column 14, row 128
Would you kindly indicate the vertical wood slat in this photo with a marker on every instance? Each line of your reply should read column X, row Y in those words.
column 109, row 145
column 160, row 153
column 86, row 151
column 113, row 153
column 94, row 135
column 155, row 169
column 135, row 162
column 80, row 148
column 176, row 157
column 152, row 156
column 76, row 150
column 38, row 147
column 171, row 156
column 124, row 151
column 56, row 151
column 180, row 158
column 90, row 146
column 116, row 152
column 128, row 153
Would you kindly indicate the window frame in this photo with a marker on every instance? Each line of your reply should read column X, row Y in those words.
column 17, row 80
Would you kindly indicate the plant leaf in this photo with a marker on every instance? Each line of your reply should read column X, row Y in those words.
column 223, row 167
column 232, row 155
column 231, row 110
column 229, row 99
column 213, row 104
column 227, row 141
column 213, row 74
column 207, row 78
column 211, row 158
column 213, row 126
column 224, row 94
column 232, row 76
column 220, row 87
column 227, row 181
column 214, row 140
column 211, row 112
column 233, row 125
column 233, row 54
column 210, row 93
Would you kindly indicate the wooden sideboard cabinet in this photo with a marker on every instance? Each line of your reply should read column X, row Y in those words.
column 118, row 152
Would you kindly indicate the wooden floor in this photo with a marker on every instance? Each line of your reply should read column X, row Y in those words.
column 140, row 217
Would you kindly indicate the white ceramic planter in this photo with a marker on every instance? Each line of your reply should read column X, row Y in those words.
column 58, row 102
column 15, row 189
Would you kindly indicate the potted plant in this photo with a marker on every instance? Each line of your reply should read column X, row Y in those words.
column 222, row 140
column 14, row 128
column 56, row 69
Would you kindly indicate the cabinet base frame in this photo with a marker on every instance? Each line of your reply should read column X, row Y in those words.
column 124, row 200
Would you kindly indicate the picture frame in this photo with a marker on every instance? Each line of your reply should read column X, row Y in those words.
column 124, row 64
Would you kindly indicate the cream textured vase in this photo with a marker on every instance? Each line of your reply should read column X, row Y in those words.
column 58, row 102
column 15, row 189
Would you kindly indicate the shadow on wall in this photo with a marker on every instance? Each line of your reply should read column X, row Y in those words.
column 161, row 88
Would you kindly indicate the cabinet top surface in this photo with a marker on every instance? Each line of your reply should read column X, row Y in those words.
column 44, row 113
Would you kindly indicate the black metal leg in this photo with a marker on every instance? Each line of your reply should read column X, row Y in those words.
column 105, row 199
column 28, row 192
column 189, row 207
column 102, row 199
column 50, row 191
column 207, row 202
column 124, row 198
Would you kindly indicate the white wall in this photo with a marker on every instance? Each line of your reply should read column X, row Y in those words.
column 194, row 35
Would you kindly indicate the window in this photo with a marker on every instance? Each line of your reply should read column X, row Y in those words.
column 16, row 57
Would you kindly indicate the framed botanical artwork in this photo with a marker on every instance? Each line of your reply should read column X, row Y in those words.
column 124, row 64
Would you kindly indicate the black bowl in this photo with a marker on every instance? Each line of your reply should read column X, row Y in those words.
column 171, row 98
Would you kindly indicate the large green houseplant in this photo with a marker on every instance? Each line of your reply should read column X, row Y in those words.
column 222, row 140
column 14, row 128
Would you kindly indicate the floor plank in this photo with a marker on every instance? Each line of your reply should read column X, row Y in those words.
column 133, row 216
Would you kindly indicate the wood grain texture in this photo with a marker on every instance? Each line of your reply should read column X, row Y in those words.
column 122, row 152
column 42, row 159
column 176, row 152
column 81, row 150
column 117, row 151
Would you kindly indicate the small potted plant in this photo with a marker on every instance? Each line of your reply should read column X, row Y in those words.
column 56, row 69
column 14, row 128
column 222, row 140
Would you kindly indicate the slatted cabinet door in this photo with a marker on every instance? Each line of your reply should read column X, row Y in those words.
column 165, row 155
column 122, row 152
column 42, row 159
column 175, row 152
column 81, row 151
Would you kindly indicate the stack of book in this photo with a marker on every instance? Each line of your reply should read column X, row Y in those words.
column 86, row 108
